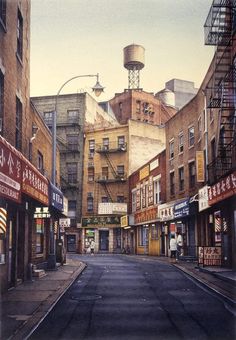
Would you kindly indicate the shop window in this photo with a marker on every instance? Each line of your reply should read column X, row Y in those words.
column 39, row 235
column 154, row 232
column 141, row 236
column 181, row 179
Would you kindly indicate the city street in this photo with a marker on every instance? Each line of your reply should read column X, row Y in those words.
column 122, row 297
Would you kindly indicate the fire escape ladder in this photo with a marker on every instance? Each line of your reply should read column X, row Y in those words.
column 112, row 167
column 107, row 191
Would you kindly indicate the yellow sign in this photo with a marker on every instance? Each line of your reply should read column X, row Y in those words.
column 124, row 221
column 200, row 165
column 144, row 172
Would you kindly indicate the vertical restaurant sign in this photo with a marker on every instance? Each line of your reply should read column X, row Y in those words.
column 200, row 166
column 34, row 183
column 203, row 198
column 10, row 172
column 223, row 189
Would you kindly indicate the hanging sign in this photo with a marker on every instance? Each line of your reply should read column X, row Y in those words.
column 200, row 165
column 223, row 189
column 10, row 172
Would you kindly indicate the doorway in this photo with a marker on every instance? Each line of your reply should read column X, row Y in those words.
column 104, row 240
column 71, row 243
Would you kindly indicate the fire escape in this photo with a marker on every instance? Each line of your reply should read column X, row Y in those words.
column 113, row 176
column 221, row 92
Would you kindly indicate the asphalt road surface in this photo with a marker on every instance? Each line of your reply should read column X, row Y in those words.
column 125, row 297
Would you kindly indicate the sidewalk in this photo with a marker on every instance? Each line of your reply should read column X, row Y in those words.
column 23, row 307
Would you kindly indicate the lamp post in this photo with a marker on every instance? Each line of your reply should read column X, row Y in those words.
column 97, row 89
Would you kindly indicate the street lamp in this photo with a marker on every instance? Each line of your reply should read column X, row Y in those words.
column 97, row 89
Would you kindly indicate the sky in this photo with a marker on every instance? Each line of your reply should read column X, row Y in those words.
column 78, row 37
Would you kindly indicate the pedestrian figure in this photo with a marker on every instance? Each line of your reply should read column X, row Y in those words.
column 173, row 248
column 179, row 244
column 92, row 246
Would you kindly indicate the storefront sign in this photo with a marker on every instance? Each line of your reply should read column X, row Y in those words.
column 42, row 212
column 209, row 256
column 64, row 222
column 200, row 165
column 34, row 183
column 203, row 198
column 181, row 209
column 146, row 215
column 144, row 172
column 10, row 172
column 124, row 221
column 56, row 197
column 154, row 164
column 100, row 221
column 222, row 189
column 166, row 212
column 65, row 206
column 110, row 208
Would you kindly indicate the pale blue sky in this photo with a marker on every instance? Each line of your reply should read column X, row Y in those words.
column 76, row 37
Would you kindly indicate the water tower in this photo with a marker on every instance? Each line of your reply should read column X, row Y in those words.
column 134, row 62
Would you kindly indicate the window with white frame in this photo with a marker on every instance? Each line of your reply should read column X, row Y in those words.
column 191, row 136
column 157, row 190
column 171, row 146
column 181, row 142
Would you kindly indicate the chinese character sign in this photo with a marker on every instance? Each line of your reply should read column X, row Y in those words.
column 209, row 256
column 223, row 189
column 10, row 172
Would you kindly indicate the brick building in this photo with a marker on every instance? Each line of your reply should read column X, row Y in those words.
column 23, row 186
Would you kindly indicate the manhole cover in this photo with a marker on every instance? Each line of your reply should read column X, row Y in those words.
column 86, row 297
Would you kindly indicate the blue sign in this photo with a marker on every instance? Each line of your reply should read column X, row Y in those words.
column 181, row 209
column 56, row 197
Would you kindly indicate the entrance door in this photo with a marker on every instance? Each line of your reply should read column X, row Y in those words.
column 71, row 243
column 104, row 240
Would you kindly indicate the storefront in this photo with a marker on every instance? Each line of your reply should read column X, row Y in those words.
column 105, row 231
column 128, row 234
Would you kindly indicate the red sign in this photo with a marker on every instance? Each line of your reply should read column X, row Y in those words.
column 146, row 215
column 209, row 256
column 34, row 183
column 10, row 172
column 223, row 189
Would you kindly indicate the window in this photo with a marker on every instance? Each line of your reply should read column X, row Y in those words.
column 120, row 199
column 91, row 175
column 40, row 162
column 91, row 148
column 172, row 183
column 72, row 172
column 192, row 174
column 142, row 235
column 3, row 12
column 181, row 142
column 171, row 146
column 138, row 106
column 134, row 199
column 104, row 172
column 121, row 142
column 1, row 101
column 73, row 116
column 181, row 179
column 200, row 127
column 73, row 142
column 89, row 203
column 146, row 108
column 47, row 117
column 105, row 143
column 72, row 205
column 191, row 136
column 213, row 149
column 18, row 124
column 105, row 199
column 19, row 50
column 39, row 235
column 120, row 170
column 157, row 191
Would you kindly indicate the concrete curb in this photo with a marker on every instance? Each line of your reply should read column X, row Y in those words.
column 29, row 326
